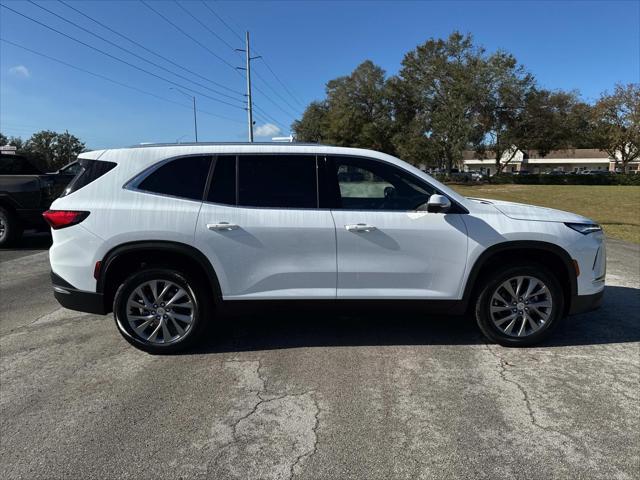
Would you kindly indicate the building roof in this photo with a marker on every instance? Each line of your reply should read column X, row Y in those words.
column 568, row 154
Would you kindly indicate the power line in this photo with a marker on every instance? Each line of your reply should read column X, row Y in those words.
column 269, row 117
column 117, row 82
column 293, row 109
column 131, row 52
column 117, row 58
column 188, row 35
column 203, row 24
column 282, row 83
column 222, row 20
column 232, row 30
column 149, row 50
column 210, row 51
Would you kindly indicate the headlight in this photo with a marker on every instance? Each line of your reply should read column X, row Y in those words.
column 584, row 228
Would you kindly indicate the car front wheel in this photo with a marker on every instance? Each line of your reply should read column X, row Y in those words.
column 519, row 306
column 161, row 310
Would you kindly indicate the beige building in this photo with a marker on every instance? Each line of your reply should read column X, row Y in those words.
column 571, row 160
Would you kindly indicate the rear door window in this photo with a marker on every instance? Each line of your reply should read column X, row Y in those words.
column 183, row 177
column 89, row 171
column 278, row 181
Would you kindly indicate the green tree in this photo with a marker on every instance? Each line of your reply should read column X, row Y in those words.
column 312, row 127
column 550, row 121
column 51, row 150
column 505, row 86
column 67, row 148
column 616, row 123
column 356, row 112
column 15, row 141
column 439, row 86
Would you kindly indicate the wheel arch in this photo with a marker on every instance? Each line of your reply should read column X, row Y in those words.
column 555, row 258
column 124, row 259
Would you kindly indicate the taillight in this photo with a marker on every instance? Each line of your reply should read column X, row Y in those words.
column 64, row 218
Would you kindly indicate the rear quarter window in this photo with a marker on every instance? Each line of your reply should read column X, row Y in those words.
column 183, row 177
column 89, row 171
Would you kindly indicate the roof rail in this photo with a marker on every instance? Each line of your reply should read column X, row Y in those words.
column 197, row 144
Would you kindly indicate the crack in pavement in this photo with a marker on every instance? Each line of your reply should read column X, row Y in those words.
column 527, row 400
column 292, row 418
column 314, row 450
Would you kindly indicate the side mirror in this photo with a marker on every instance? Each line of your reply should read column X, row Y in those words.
column 438, row 204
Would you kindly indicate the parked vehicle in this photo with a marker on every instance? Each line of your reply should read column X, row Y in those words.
column 163, row 235
column 595, row 172
column 25, row 193
column 476, row 176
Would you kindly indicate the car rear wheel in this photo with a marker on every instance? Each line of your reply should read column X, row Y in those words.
column 161, row 311
column 10, row 228
column 520, row 305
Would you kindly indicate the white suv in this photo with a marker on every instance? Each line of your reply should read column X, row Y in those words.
column 163, row 234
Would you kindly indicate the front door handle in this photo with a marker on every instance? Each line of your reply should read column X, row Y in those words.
column 360, row 227
column 222, row 226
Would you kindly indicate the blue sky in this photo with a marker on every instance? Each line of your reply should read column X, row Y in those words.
column 583, row 45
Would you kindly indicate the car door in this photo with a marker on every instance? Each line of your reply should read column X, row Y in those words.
column 387, row 248
column 263, row 231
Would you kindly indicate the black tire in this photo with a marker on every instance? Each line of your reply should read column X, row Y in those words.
column 493, row 282
column 10, row 228
column 201, row 302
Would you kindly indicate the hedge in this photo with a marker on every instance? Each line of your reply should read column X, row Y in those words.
column 611, row 179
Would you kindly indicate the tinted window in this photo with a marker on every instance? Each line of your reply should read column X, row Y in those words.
column 71, row 169
column 89, row 170
column 287, row 181
column 183, row 177
column 223, row 183
column 16, row 165
column 371, row 185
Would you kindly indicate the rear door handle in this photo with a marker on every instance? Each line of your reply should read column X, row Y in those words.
column 360, row 227
column 222, row 226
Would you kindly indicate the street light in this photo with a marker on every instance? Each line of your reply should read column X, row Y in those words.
column 195, row 118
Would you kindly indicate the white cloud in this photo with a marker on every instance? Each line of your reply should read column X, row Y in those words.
column 20, row 71
column 267, row 130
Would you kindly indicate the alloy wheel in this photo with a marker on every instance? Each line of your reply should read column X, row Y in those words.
column 521, row 306
column 160, row 312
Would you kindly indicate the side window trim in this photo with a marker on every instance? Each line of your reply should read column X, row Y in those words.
column 212, row 169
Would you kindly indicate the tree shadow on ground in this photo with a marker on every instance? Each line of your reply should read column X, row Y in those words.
column 269, row 328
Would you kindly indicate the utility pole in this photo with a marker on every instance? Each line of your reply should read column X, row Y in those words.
column 247, row 69
column 195, row 118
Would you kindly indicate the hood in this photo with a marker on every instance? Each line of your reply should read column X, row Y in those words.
column 522, row 211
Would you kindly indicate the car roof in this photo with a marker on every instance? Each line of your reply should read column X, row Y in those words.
column 134, row 159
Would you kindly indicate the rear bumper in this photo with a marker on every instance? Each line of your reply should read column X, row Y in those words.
column 74, row 299
column 586, row 303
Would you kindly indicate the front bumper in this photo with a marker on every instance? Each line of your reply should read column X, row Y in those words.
column 70, row 297
column 586, row 303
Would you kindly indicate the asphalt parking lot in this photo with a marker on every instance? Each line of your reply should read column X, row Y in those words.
column 316, row 395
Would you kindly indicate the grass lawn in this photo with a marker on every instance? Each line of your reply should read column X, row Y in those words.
column 616, row 208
